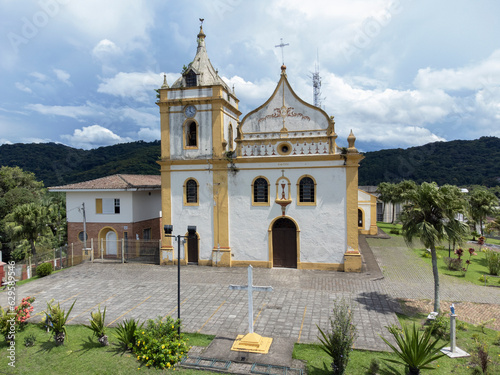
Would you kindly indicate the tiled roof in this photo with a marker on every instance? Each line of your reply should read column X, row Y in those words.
column 117, row 181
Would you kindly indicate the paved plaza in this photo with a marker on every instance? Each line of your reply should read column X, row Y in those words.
column 301, row 299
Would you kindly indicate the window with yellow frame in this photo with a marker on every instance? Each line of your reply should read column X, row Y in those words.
column 191, row 134
column 306, row 191
column 191, row 192
column 260, row 191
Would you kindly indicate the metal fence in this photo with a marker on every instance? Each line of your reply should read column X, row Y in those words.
column 125, row 250
column 117, row 251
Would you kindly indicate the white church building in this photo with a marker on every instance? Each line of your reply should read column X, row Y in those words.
column 271, row 190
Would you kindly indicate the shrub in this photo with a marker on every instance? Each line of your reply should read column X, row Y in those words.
column 30, row 340
column 159, row 344
column 97, row 326
column 394, row 231
column 414, row 350
column 439, row 327
column 480, row 357
column 483, row 279
column 453, row 264
column 493, row 259
column 44, row 269
column 56, row 319
column 127, row 333
column 338, row 340
column 374, row 367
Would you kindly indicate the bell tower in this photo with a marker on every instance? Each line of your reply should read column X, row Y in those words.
column 198, row 114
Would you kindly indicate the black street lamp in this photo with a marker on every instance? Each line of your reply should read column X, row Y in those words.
column 191, row 234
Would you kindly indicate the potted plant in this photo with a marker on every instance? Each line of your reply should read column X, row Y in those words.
column 97, row 326
column 58, row 318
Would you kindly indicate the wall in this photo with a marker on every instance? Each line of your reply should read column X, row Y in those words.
column 322, row 227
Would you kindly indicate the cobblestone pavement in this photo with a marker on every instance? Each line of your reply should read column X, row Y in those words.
column 301, row 299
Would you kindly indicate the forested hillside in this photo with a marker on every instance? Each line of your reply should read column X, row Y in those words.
column 459, row 163
column 56, row 164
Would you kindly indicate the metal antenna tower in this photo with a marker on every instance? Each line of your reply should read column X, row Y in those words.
column 317, row 85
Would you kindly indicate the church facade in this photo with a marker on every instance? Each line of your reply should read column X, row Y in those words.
column 271, row 190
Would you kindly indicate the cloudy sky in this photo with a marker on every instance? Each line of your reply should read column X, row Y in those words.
column 399, row 73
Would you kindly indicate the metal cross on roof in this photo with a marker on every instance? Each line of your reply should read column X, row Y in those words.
column 282, row 45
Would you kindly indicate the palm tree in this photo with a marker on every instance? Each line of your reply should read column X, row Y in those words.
column 28, row 222
column 430, row 216
column 482, row 203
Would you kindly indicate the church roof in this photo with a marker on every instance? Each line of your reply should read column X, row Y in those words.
column 115, row 182
column 202, row 67
column 284, row 110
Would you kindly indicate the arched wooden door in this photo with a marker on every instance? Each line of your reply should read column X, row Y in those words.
column 192, row 249
column 284, row 243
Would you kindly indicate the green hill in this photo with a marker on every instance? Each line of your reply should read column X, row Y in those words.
column 460, row 163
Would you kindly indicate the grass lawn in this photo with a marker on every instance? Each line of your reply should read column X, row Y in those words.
column 81, row 354
column 318, row 362
column 477, row 268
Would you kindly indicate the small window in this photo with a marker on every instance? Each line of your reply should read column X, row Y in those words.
column 191, row 136
column 306, row 190
column 107, row 206
column 82, row 236
column 146, row 234
column 260, row 190
column 191, row 79
column 191, row 191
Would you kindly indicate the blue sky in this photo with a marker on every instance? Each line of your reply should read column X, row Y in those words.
column 399, row 73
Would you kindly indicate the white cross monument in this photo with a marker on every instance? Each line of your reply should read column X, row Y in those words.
column 251, row 342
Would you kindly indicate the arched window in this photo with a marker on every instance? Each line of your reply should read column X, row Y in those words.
column 191, row 136
column 261, row 190
column 191, row 191
column 191, row 79
column 360, row 218
column 306, row 190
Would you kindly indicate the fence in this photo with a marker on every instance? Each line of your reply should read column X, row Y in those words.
column 125, row 250
column 120, row 251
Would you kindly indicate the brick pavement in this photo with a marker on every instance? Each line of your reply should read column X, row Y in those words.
column 300, row 300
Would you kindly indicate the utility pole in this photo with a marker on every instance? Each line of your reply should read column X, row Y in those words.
column 84, row 228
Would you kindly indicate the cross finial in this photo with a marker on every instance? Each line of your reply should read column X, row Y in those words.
column 201, row 20
column 282, row 45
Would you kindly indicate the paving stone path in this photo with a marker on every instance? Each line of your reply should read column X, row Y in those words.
column 300, row 300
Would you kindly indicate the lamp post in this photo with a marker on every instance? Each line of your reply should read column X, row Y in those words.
column 168, row 233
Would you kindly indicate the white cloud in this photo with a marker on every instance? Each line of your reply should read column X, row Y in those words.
column 485, row 74
column 105, row 48
column 4, row 141
column 94, row 136
column 68, row 111
column 138, row 86
column 39, row 76
column 22, row 87
column 62, row 76
column 140, row 117
column 148, row 134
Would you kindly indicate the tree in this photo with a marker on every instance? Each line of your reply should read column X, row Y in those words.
column 431, row 217
column 482, row 202
column 400, row 192
column 28, row 222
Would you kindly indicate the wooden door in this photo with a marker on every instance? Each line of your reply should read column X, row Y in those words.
column 192, row 249
column 284, row 243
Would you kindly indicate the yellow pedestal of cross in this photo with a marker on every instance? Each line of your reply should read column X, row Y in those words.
column 253, row 343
